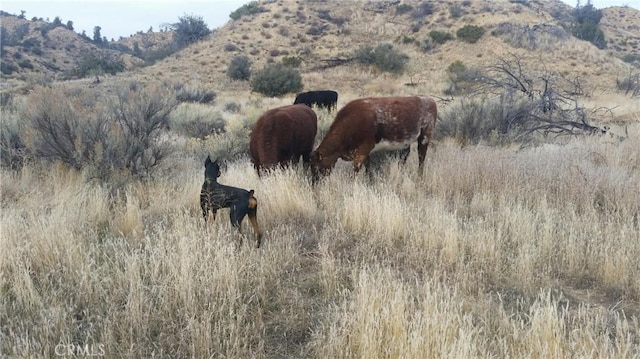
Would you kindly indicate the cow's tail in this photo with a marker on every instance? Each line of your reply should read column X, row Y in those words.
column 252, row 213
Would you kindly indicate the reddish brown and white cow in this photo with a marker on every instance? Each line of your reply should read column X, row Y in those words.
column 282, row 135
column 376, row 123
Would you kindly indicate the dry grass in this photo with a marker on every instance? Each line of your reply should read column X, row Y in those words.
column 494, row 252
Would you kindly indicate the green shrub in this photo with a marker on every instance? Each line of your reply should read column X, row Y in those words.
column 403, row 9
column 384, row 57
column 291, row 61
column 427, row 44
column 440, row 37
column 461, row 78
column 632, row 58
column 586, row 28
column 189, row 29
column 93, row 64
column 276, row 80
column 230, row 47
column 239, row 68
column 7, row 68
column 246, row 10
column 26, row 64
column 470, row 33
column 590, row 31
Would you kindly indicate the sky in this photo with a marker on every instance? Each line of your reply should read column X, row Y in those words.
column 121, row 18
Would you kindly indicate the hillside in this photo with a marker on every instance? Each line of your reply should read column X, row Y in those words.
column 37, row 51
column 319, row 32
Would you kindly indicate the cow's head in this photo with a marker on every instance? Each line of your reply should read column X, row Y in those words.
column 320, row 165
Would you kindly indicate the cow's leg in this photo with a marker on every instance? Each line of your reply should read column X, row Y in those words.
column 404, row 154
column 361, row 156
column 306, row 160
column 423, row 144
column 258, row 169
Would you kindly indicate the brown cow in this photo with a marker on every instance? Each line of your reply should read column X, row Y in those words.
column 376, row 123
column 282, row 135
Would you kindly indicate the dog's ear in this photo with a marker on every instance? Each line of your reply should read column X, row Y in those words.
column 207, row 161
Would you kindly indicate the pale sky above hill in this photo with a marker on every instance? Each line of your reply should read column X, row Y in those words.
column 118, row 18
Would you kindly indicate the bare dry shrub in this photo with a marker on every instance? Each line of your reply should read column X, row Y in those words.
column 196, row 121
column 630, row 84
column 102, row 136
column 538, row 37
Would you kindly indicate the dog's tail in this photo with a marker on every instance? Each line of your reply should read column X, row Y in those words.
column 253, row 217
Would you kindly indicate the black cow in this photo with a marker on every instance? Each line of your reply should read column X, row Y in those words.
column 323, row 99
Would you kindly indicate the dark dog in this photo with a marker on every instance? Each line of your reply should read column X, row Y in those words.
column 240, row 202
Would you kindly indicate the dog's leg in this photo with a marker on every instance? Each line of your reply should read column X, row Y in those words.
column 253, row 218
column 235, row 216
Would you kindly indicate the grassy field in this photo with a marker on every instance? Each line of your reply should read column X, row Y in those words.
column 522, row 252
column 506, row 247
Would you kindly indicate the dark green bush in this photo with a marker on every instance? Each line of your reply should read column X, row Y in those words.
column 93, row 64
column 291, row 61
column 440, row 37
column 26, row 64
column 276, row 80
column 632, row 58
column 470, row 33
column 189, row 29
column 230, row 47
column 7, row 68
column 239, row 68
column 403, row 9
column 590, row 31
column 586, row 27
column 384, row 57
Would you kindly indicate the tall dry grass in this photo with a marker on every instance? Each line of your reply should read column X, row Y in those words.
column 494, row 252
